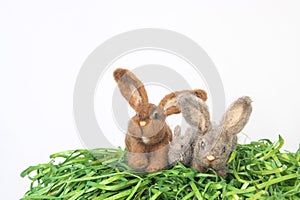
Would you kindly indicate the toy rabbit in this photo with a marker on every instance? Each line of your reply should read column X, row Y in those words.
column 181, row 147
column 148, row 135
column 214, row 143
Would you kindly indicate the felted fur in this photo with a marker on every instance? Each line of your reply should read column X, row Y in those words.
column 181, row 147
column 148, row 135
column 214, row 143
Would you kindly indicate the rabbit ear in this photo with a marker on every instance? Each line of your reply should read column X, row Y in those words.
column 177, row 131
column 170, row 102
column 189, row 136
column 194, row 111
column 131, row 88
column 237, row 115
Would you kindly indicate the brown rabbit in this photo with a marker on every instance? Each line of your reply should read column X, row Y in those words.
column 214, row 143
column 148, row 135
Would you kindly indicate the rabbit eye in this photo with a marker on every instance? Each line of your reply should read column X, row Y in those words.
column 223, row 150
column 182, row 146
column 155, row 115
column 202, row 144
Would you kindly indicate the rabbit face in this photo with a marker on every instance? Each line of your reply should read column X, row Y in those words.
column 212, row 150
column 181, row 147
column 215, row 142
column 180, row 153
column 148, row 125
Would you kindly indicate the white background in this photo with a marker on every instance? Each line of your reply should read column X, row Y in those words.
column 254, row 44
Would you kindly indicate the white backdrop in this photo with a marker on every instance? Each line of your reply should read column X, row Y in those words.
column 254, row 44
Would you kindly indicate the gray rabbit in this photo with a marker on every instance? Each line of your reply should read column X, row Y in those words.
column 213, row 143
column 181, row 147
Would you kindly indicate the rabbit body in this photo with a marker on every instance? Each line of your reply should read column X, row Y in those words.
column 148, row 145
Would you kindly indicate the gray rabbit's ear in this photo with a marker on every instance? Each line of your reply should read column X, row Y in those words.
column 237, row 115
column 131, row 88
column 177, row 131
column 189, row 136
column 170, row 102
column 194, row 111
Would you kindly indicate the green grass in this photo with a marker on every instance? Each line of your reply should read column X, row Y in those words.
column 256, row 171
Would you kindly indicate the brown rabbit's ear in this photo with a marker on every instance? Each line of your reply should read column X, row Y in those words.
column 237, row 115
column 170, row 102
column 131, row 88
column 194, row 111
column 200, row 93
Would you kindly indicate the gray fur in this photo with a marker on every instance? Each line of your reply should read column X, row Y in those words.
column 181, row 148
column 213, row 142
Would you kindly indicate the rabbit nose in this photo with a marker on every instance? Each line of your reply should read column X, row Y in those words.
column 210, row 158
column 142, row 123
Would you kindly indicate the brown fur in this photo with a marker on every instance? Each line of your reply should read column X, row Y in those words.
column 173, row 107
column 131, row 88
column 148, row 145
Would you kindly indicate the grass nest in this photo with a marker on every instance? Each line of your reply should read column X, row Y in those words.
column 256, row 171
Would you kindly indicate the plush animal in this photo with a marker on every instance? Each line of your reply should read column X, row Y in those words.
column 213, row 143
column 148, row 135
column 181, row 147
